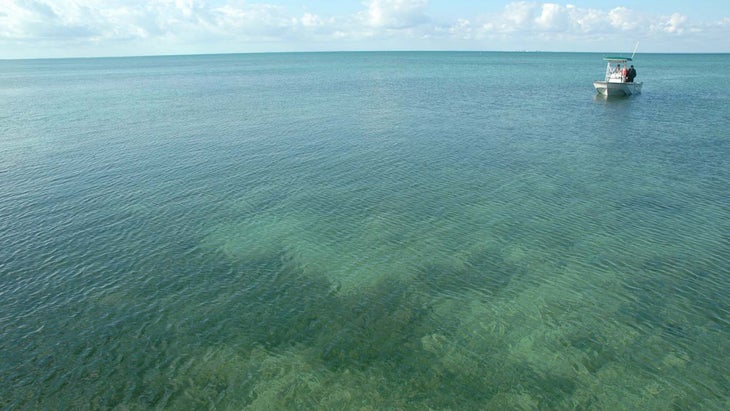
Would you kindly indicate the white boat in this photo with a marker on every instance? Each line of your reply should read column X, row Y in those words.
column 616, row 83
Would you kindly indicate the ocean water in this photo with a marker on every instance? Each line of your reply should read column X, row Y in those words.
column 364, row 231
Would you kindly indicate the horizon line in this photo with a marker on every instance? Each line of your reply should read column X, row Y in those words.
column 346, row 51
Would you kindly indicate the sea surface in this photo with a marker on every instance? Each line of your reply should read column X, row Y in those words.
column 402, row 231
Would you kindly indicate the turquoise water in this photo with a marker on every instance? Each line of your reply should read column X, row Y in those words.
column 364, row 231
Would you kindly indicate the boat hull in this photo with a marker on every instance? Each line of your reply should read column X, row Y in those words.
column 615, row 89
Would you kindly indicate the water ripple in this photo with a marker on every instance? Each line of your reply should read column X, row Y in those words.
column 365, row 230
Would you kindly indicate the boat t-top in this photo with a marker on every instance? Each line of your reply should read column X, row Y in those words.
column 619, row 79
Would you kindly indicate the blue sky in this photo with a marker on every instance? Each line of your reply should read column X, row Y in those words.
column 71, row 28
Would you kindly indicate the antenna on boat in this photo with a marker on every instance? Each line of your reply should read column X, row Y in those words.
column 635, row 47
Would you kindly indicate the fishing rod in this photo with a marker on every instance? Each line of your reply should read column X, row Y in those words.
column 635, row 47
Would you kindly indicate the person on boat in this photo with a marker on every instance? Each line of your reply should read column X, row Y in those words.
column 624, row 73
column 616, row 73
column 631, row 74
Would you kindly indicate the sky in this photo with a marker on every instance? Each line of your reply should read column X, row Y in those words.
column 95, row 28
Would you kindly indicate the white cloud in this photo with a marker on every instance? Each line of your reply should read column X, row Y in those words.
column 623, row 18
column 553, row 17
column 311, row 20
column 674, row 24
column 517, row 16
column 234, row 25
column 28, row 19
column 587, row 20
column 462, row 29
column 553, row 26
column 264, row 20
column 546, row 19
column 396, row 14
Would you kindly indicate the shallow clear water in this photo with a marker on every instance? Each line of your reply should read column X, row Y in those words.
column 377, row 230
